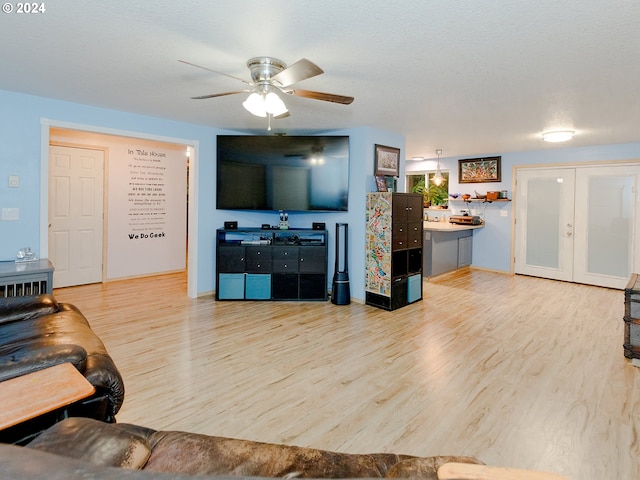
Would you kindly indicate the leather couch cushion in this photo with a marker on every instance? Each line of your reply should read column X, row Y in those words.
column 19, row 308
column 20, row 359
column 188, row 453
column 101, row 444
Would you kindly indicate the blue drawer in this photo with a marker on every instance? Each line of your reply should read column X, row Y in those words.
column 257, row 286
column 415, row 288
column 231, row 286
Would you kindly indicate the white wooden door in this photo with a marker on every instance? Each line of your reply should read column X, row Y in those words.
column 544, row 223
column 75, row 215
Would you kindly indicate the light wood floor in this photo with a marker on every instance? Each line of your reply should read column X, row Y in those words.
column 518, row 371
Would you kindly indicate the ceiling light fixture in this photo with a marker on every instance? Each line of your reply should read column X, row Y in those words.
column 263, row 101
column 558, row 136
column 438, row 178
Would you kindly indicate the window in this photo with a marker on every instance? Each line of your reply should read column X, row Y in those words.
column 433, row 194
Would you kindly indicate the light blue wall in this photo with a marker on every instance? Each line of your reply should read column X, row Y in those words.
column 21, row 117
column 362, row 143
column 492, row 244
column 20, row 154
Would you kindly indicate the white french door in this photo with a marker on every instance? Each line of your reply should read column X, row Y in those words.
column 544, row 223
column 578, row 224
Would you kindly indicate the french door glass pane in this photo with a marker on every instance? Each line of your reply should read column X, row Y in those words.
column 543, row 222
column 610, row 222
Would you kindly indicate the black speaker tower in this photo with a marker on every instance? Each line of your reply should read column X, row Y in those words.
column 340, row 291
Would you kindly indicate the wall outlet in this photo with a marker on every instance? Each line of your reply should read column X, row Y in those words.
column 10, row 214
column 503, row 213
column 14, row 181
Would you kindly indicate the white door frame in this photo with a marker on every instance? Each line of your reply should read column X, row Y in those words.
column 192, row 214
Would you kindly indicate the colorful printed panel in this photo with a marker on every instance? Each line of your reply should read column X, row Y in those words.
column 378, row 243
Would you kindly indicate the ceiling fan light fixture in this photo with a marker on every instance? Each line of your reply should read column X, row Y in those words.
column 255, row 105
column 558, row 136
column 261, row 104
column 269, row 77
column 274, row 105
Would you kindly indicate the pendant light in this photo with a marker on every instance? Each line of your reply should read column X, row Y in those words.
column 438, row 178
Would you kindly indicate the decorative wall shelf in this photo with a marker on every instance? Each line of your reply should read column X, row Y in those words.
column 479, row 200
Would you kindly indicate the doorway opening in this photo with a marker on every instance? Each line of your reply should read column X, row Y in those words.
column 149, row 210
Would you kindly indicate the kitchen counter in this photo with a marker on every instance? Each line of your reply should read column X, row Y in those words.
column 448, row 227
column 446, row 247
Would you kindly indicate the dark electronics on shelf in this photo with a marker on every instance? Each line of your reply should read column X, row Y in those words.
column 318, row 226
column 230, row 225
column 290, row 173
column 465, row 219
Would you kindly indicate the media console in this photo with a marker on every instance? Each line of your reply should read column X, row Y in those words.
column 257, row 264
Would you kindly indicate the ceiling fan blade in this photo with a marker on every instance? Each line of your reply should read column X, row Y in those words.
column 301, row 70
column 327, row 97
column 215, row 71
column 283, row 115
column 213, row 95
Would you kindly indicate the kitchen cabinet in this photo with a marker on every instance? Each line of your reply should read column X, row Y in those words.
column 393, row 247
column 447, row 249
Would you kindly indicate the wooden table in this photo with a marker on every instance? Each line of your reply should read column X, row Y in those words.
column 31, row 395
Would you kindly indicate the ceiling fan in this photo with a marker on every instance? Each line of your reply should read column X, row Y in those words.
column 270, row 76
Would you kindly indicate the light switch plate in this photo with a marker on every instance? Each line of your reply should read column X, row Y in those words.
column 14, row 181
column 10, row 214
column 503, row 213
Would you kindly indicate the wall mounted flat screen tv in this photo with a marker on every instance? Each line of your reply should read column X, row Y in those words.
column 290, row 173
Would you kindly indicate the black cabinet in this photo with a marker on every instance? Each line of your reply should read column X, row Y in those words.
column 255, row 264
column 258, row 260
column 393, row 249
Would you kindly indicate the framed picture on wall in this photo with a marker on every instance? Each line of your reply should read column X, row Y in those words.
column 479, row 170
column 387, row 161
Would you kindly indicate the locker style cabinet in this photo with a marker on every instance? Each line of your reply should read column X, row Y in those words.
column 256, row 264
column 393, row 249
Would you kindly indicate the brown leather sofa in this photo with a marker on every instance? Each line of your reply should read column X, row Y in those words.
column 110, row 449
column 38, row 332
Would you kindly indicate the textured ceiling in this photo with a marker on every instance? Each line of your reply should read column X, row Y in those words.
column 467, row 76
